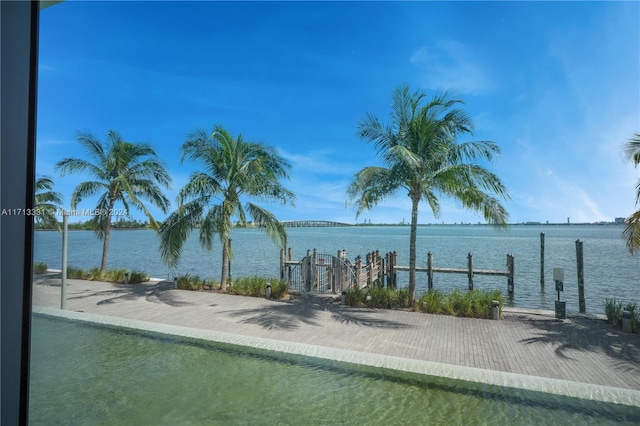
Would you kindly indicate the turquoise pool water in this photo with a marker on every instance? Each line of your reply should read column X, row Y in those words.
column 87, row 375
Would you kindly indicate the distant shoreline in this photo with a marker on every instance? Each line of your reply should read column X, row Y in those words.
column 363, row 225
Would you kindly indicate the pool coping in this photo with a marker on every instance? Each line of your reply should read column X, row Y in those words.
column 599, row 393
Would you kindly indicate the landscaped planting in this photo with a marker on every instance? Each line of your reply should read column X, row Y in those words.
column 474, row 303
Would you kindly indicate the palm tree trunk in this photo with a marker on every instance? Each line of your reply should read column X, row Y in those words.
column 412, row 249
column 105, row 243
column 225, row 259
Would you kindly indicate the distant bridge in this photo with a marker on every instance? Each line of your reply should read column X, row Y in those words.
column 312, row 224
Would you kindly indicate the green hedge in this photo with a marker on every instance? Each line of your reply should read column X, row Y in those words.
column 474, row 303
column 40, row 268
column 257, row 286
column 613, row 310
column 111, row 275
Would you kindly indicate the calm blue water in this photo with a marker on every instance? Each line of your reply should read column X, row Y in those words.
column 610, row 271
column 84, row 375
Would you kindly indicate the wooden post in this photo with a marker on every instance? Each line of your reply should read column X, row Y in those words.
column 309, row 272
column 470, row 267
column 358, row 267
column 542, row 260
column 430, row 270
column 388, row 270
column 290, row 254
column 282, row 260
column 510, row 277
column 580, row 262
column 315, row 270
column 369, row 269
column 395, row 263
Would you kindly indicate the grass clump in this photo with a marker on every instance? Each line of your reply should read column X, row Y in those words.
column 613, row 311
column 390, row 298
column 114, row 275
column 473, row 304
column 40, row 268
column 256, row 286
column 137, row 277
column 111, row 275
column 355, row 297
column 77, row 273
column 190, row 282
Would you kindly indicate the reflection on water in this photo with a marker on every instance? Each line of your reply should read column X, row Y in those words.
column 87, row 375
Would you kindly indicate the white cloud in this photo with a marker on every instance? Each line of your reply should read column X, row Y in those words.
column 450, row 65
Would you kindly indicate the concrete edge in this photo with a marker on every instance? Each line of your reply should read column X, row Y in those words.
column 605, row 394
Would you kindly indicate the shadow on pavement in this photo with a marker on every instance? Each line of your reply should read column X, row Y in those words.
column 584, row 334
column 151, row 292
column 305, row 309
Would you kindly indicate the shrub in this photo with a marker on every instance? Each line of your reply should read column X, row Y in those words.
column 279, row 288
column 380, row 297
column 613, row 310
column 431, row 302
column 465, row 305
column 377, row 297
column 93, row 274
column 137, row 277
column 354, row 297
column 398, row 298
column 475, row 303
column 40, row 268
column 113, row 275
column 256, row 286
column 253, row 285
column 76, row 273
column 190, row 282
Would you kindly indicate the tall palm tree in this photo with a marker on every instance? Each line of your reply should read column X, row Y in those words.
column 47, row 202
column 631, row 232
column 232, row 169
column 123, row 172
column 421, row 155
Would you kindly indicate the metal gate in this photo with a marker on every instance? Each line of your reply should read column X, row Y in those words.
column 321, row 273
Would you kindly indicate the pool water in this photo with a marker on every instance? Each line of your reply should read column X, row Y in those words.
column 87, row 375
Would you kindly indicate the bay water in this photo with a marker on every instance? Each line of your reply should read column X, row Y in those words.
column 610, row 271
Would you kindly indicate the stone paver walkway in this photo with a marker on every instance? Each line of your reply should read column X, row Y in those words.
column 576, row 349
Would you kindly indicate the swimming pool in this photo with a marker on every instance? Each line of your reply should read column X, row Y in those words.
column 87, row 374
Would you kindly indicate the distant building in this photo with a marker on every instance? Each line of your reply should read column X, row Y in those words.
column 619, row 220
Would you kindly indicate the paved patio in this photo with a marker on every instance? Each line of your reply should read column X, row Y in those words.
column 532, row 343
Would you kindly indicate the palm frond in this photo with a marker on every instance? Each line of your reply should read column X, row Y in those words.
column 370, row 186
column 84, row 190
column 267, row 220
column 632, row 149
column 175, row 229
column 631, row 232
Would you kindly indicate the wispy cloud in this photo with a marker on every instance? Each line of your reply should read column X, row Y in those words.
column 450, row 64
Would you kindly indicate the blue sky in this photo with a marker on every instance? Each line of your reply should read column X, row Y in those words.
column 555, row 85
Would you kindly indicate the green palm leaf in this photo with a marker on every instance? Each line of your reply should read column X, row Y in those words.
column 421, row 154
column 121, row 172
column 231, row 169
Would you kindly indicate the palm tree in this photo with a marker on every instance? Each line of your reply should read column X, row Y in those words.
column 46, row 202
column 124, row 172
column 631, row 232
column 421, row 155
column 233, row 168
